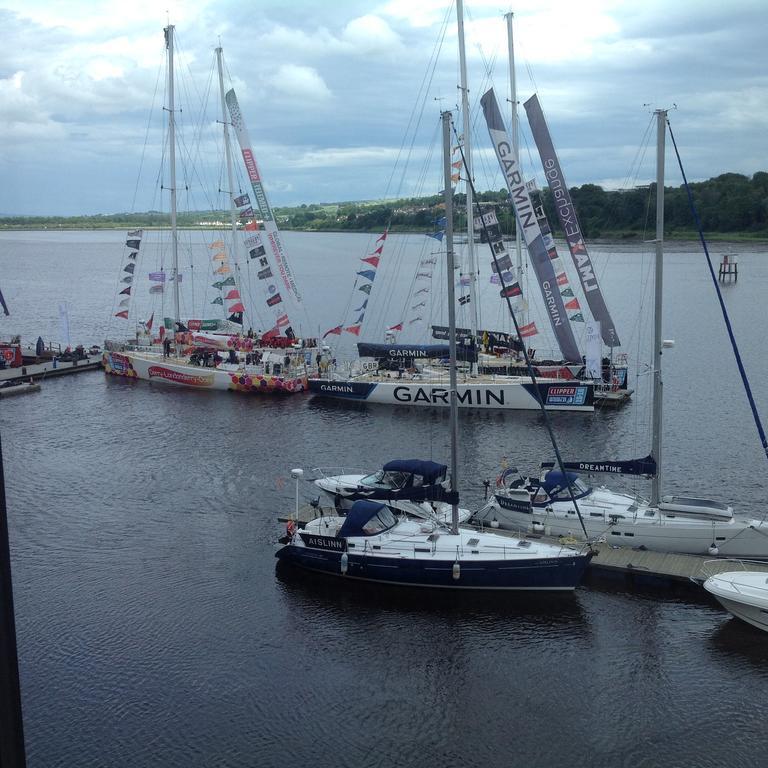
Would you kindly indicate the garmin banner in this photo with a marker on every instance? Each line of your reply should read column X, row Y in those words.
column 526, row 219
column 568, row 221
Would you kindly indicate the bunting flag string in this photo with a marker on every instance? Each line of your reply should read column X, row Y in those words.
column 133, row 244
column 354, row 329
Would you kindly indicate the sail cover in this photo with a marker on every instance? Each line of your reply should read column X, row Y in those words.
column 646, row 466
column 526, row 220
column 415, row 351
column 568, row 221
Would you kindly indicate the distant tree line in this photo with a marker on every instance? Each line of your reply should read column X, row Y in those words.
column 728, row 204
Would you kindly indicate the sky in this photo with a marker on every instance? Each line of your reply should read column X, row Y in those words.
column 337, row 95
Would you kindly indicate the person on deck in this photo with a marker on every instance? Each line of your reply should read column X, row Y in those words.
column 166, row 347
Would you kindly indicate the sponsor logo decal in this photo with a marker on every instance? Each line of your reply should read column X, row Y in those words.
column 566, row 395
column 189, row 379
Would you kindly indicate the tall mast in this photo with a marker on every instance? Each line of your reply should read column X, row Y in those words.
column 515, row 145
column 658, row 388
column 230, row 176
column 172, row 152
column 466, row 127
column 454, row 403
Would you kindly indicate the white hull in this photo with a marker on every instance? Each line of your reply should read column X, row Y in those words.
column 483, row 392
column 743, row 594
column 153, row 367
column 627, row 522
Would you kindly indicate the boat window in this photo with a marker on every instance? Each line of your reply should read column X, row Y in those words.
column 578, row 486
column 382, row 520
column 382, row 479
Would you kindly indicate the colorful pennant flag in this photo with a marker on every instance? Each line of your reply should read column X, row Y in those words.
column 218, row 300
column 222, row 270
column 372, row 260
column 129, row 268
column 366, row 288
column 126, row 291
column 368, row 274
column 123, row 314
column 562, row 279
column 355, row 329
column 573, row 304
column 398, row 327
column 233, row 294
column 220, row 256
column 237, row 307
column 337, row 331
column 528, row 330
column 216, row 244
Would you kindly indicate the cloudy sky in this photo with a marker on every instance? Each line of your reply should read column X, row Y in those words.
column 329, row 89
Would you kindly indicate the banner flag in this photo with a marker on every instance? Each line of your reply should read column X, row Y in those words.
column 526, row 219
column 566, row 213
column 594, row 351
column 157, row 277
column 528, row 330
column 263, row 274
column 256, row 253
column 242, row 200
column 246, row 212
column 281, row 321
column 156, row 288
column 273, row 300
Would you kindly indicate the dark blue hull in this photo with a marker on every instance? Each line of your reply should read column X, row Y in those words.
column 563, row 573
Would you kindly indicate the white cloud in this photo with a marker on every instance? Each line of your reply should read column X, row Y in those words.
column 299, row 82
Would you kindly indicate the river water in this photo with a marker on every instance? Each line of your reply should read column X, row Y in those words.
column 154, row 628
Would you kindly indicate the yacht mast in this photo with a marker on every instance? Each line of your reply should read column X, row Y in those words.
column 466, row 127
column 172, row 153
column 233, row 218
column 658, row 388
column 454, row 403
column 516, row 146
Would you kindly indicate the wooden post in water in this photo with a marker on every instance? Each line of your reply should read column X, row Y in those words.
column 729, row 268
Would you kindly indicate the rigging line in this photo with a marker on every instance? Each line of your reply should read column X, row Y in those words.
column 529, row 366
column 726, row 318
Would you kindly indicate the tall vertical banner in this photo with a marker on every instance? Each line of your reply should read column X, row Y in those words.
column 270, row 225
column 568, row 221
column 526, row 220
column 64, row 324
column 594, row 351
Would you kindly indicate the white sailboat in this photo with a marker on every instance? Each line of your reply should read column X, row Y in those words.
column 411, row 374
column 189, row 357
column 666, row 523
column 369, row 543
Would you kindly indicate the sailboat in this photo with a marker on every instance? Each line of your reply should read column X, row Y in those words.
column 370, row 543
column 663, row 523
column 187, row 353
column 412, row 374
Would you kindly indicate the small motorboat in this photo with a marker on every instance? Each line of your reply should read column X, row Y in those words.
column 742, row 592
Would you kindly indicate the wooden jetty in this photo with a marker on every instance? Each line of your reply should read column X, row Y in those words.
column 634, row 566
column 729, row 268
column 47, row 368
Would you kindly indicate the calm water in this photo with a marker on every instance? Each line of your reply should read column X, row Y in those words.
column 154, row 628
